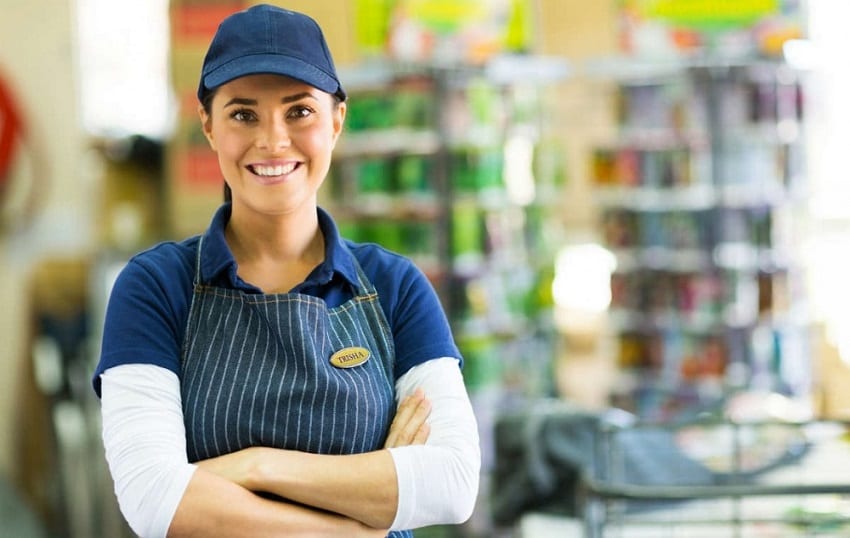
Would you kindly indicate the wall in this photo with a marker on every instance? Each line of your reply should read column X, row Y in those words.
column 37, row 59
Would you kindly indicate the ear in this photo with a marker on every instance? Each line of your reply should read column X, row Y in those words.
column 206, row 125
column 338, row 120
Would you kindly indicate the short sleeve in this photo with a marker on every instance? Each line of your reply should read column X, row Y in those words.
column 146, row 315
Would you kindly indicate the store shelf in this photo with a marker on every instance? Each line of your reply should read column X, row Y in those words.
column 685, row 198
column 695, row 197
column 389, row 141
column 662, row 259
column 451, row 166
column 655, row 71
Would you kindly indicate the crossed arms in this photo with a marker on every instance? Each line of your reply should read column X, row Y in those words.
column 427, row 472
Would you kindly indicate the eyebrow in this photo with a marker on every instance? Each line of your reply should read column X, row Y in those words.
column 288, row 99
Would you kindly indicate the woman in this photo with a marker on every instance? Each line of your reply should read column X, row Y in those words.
column 269, row 378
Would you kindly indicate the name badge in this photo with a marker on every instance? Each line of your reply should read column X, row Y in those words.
column 350, row 357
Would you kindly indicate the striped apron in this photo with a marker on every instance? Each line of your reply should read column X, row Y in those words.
column 257, row 371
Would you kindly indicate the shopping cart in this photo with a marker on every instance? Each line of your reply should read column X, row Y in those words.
column 718, row 479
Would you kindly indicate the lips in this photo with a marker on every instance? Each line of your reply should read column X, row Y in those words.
column 272, row 170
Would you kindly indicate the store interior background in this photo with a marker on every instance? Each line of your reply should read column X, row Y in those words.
column 76, row 200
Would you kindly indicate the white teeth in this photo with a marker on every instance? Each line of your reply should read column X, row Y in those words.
column 278, row 170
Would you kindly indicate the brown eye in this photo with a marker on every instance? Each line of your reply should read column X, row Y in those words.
column 243, row 115
column 298, row 112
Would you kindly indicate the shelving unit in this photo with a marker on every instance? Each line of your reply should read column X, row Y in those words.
column 450, row 165
column 382, row 187
column 698, row 197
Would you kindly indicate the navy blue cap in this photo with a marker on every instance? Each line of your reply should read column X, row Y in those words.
column 266, row 39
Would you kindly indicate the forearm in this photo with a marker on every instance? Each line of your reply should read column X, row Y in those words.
column 161, row 494
column 360, row 486
column 439, row 483
column 406, row 486
column 213, row 506
column 364, row 487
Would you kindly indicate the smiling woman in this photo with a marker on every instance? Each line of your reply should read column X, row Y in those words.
column 273, row 131
column 269, row 377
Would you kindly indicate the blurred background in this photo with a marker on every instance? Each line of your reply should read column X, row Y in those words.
column 628, row 206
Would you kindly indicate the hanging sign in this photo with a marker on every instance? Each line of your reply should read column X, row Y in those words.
column 730, row 28
column 709, row 14
column 457, row 31
column 447, row 16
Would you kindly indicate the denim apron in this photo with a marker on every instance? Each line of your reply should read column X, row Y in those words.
column 257, row 370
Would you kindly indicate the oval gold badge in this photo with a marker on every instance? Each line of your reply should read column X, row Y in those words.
column 350, row 357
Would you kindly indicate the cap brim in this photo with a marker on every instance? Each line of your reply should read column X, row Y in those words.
column 275, row 64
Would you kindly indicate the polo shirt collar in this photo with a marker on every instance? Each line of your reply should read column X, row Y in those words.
column 216, row 260
column 338, row 257
column 218, row 264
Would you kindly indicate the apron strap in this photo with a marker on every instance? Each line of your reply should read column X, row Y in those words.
column 197, row 278
column 364, row 285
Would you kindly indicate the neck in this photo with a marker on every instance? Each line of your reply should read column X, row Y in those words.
column 288, row 238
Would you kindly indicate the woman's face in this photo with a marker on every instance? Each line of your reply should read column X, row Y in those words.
column 274, row 137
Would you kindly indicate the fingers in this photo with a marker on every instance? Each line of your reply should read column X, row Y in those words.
column 421, row 434
column 409, row 426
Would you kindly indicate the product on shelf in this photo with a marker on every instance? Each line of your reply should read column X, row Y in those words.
column 453, row 169
column 695, row 195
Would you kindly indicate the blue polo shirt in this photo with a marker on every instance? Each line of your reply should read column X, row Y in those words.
column 149, row 304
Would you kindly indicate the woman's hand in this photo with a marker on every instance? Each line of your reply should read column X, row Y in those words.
column 286, row 473
column 409, row 427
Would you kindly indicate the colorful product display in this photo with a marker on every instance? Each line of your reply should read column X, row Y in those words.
column 694, row 196
column 431, row 182
column 683, row 27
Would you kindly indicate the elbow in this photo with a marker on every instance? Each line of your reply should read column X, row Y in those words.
column 456, row 497
column 465, row 509
column 438, row 485
column 149, row 499
column 461, row 510
column 466, row 496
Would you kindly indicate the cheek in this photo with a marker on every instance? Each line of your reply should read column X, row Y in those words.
column 229, row 147
column 319, row 143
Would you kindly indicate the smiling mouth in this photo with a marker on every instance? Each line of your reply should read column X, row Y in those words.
column 272, row 171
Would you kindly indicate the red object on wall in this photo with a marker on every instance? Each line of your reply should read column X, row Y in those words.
column 191, row 22
column 11, row 130
column 199, row 168
column 18, row 145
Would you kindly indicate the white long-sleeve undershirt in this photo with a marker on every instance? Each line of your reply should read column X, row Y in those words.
column 145, row 444
column 438, row 481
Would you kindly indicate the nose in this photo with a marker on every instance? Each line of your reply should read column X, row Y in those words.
column 274, row 135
